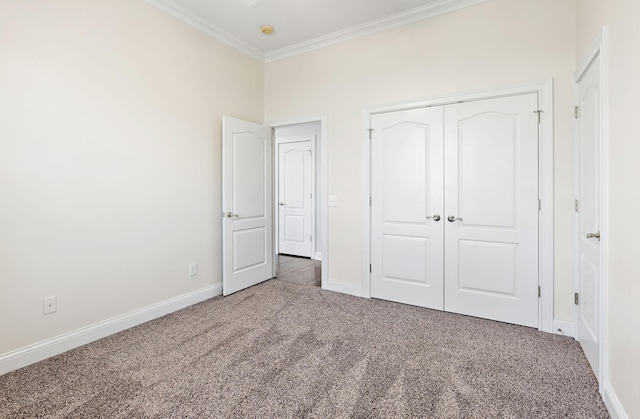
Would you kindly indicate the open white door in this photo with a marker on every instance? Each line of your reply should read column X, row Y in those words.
column 295, row 201
column 247, row 239
column 491, row 209
column 588, row 214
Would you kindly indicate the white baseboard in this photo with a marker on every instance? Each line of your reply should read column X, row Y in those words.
column 613, row 403
column 42, row 350
column 318, row 256
column 564, row 327
column 342, row 287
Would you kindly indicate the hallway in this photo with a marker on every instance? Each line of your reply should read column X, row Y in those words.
column 299, row 270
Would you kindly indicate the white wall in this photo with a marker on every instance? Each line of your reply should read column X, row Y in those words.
column 110, row 170
column 624, row 150
column 309, row 130
column 497, row 44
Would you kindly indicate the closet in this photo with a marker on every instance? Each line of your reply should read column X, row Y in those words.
column 455, row 207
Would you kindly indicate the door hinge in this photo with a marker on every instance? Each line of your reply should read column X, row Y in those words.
column 370, row 132
column 309, row 238
column 310, row 196
column 576, row 112
column 576, row 206
column 539, row 205
column 539, row 291
column 369, row 268
column 539, row 117
column 575, row 298
column 370, row 201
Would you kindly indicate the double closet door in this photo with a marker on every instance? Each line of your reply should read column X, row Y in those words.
column 454, row 214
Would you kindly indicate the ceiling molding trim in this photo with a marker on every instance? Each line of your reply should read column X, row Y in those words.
column 214, row 31
column 389, row 22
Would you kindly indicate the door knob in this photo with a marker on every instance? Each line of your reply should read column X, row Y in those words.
column 594, row 235
column 434, row 218
column 282, row 204
column 451, row 218
column 231, row 215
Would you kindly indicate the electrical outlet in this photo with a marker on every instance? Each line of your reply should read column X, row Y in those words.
column 49, row 305
column 193, row 269
column 333, row 201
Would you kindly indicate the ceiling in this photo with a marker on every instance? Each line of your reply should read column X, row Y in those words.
column 300, row 25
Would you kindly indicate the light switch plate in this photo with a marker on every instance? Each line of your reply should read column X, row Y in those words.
column 333, row 201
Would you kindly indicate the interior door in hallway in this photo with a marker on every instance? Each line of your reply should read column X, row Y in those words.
column 491, row 209
column 295, row 199
column 588, row 214
column 406, row 207
column 247, row 238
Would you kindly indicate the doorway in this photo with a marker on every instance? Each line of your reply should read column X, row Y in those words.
column 249, row 221
column 298, row 210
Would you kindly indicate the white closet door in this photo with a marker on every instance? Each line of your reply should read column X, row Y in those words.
column 407, row 189
column 491, row 198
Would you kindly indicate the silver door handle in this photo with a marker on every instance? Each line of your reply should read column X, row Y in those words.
column 594, row 236
column 282, row 204
column 434, row 218
column 451, row 218
column 231, row 215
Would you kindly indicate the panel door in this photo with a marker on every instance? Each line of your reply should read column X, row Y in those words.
column 491, row 206
column 247, row 238
column 406, row 210
column 294, row 201
column 588, row 215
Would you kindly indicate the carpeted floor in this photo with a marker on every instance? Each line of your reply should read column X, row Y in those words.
column 287, row 350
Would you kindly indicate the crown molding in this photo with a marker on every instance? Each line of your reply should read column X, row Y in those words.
column 379, row 25
column 214, row 31
column 389, row 22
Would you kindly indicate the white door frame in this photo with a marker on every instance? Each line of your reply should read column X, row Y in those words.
column 599, row 48
column 544, row 90
column 276, row 186
column 323, row 187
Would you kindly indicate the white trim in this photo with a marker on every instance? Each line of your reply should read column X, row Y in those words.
column 544, row 90
column 600, row 47
column 613, row 404
column 564, row 328
column 318, row 256
column 42, row 350
column 342, row 287
column 323, row 191
column 201, row 24
column 434, row 9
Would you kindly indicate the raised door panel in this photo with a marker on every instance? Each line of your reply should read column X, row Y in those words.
column 293, row 162
column 249, row 175
column 487, row 170
column 405, row 173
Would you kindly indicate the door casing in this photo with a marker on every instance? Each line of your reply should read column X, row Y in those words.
column 545, row 182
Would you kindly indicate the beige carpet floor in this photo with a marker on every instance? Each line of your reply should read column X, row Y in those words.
column 287, row 350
